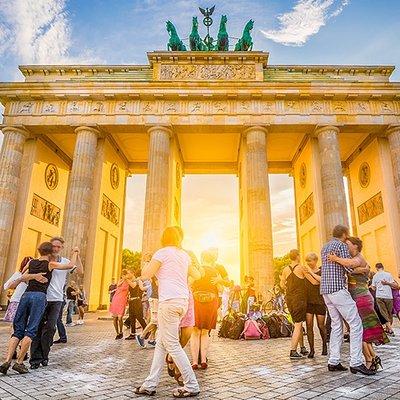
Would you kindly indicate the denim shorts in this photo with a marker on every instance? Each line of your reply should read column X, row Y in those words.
column 29, row 314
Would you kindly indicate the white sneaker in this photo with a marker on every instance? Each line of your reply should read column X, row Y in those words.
column 71, row 324
column 80, row 322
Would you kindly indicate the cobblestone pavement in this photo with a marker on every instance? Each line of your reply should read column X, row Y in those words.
column 94, row 365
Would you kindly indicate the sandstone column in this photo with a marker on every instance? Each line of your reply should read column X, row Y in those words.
column 258, row 208
column 393, row 135
column 333, row 193
column 157, row 188
column 10, row 171
column 80, row 190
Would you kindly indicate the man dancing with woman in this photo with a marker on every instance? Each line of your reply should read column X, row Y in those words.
column 373, row 332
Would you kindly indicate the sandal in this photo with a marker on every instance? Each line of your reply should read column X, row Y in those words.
column 171, row 371
column 177, row 376
column 195, row 366
column 181, row 393
column 146, row 392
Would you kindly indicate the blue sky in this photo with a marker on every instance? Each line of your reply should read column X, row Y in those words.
column 114, row 32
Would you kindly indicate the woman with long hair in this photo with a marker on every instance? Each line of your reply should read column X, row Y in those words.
column 373, row 332
column 315, row 304
column 119, row 301
column 206, row 304
column 172, row 266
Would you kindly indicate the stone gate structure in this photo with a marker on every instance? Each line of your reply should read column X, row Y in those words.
column 73, row 133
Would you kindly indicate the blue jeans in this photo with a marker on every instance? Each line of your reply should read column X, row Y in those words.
column 70, row 310
column 29, row 314
column 60, row 325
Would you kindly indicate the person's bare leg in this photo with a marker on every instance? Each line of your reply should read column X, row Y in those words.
column 12, row 347
column 195, row 345
column 186, row 333
column 25, row 344
column 310, row 332
column 116, row 325
column 297, row 334
column 204, row 345
column 120, row 324
column 81, row 312
column 322, row 331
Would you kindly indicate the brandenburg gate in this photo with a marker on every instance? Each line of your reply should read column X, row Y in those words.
column 74, row 133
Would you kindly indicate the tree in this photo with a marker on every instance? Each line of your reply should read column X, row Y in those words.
column 131, row 260
column 279, row 264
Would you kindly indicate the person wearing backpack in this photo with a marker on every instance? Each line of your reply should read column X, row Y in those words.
column 206, row 304
column 292, row 279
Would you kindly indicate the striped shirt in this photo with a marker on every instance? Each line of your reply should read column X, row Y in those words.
column 333, row 275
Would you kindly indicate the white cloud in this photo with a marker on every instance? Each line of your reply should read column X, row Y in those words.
column 304, row 20
column 37, row 31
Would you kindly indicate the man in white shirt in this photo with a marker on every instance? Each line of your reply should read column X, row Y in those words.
column 40, row 347
column 384, row 296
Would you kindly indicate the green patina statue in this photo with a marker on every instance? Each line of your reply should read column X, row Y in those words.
column 195, row 41
column 245, row 43
column 223, row 39
column 175, row 43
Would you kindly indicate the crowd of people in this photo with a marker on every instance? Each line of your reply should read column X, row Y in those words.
column 177, row 300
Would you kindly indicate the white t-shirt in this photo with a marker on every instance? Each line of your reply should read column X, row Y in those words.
column 19, row 290
column 383, row 291
column 173, row 273
column 55, row 291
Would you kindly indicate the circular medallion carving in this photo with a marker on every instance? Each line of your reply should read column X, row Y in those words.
column 114, row 176
column 51, row 176
column 364, row 174
column 303, row 175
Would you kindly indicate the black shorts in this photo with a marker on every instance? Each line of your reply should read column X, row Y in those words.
column 297, row 309
column 317, row 309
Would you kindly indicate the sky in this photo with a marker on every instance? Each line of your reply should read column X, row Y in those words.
column 122, row 31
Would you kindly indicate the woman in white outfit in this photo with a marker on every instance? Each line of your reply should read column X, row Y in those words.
column 172, row 266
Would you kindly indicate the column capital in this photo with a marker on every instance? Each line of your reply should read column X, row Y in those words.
column 90, row 129
column 252, row 128
column 319, row 129
column 15, row 129
column 163, row 128
column 391, row 129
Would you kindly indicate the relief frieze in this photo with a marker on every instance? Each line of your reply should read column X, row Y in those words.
column 208, row 72
column 306, row 209
column 370, row 209
column 45, row 210
column 110, row 210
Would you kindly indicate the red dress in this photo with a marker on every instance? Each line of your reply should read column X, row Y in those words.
column 120, row 299
column 206, row 313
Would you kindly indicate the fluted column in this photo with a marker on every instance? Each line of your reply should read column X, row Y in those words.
column 80, row 190
column 393, row 135
column 157, row 188
column 333, row 193
column 259, row 226
column 10, row 173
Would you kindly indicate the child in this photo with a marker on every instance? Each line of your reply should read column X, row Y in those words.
column 32, row 305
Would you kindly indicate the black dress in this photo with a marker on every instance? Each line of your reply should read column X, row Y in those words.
column 136, row 308
column 315, row 302
column 296, row 299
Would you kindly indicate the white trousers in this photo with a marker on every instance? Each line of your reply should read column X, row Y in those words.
column 170, row 313
column 341, row 306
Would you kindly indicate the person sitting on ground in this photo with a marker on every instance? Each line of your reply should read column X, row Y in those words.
column 32, row 306
column 292, row 280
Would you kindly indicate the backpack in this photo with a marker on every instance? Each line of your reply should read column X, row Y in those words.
column 274, row 326
column 264, row 329
column 286, row 327
column 251, row 331
column 237, row 327
column 226, row 325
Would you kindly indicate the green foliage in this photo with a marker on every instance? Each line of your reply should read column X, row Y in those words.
column 131, row 259
column 279, row 264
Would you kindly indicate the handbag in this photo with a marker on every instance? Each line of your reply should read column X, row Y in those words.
column 204, row 297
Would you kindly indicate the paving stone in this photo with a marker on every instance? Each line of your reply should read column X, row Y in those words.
column 92, row 365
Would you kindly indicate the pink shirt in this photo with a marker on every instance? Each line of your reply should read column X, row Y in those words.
column 173, row 273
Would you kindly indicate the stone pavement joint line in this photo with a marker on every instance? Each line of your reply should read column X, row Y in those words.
column 95, row 366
